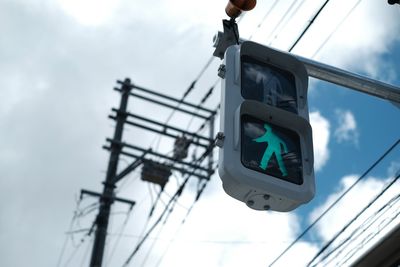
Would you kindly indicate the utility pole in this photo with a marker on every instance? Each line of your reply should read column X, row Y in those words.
column 107, row 197
column 153, row 171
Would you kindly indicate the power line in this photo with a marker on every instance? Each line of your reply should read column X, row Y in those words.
column 264, row 19
column 336, row 201
column 192, row 86
column 351, row 221
column 153, row 244
column 86, row 253
column 199, row 193
column 64, row 247
column 362, row 228
column 370, row 237
column 203, row 100
column 282, row 19
column 308, row 26
column 174, row 197
column 335, row 30
column 155, row 224
column 82, row 241
column 119, row 236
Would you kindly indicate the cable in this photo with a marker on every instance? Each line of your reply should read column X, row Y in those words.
column 203, row 100
column 362, row 228
column 308, row 26
column 264, row 19
column 152, row 227
column 182, row 223
column 64, row 247
column 119, row 236
column 86, row 253
column 350, row 222
column 190, row 89
column 374, row 235
column 336, row 201
column 281, row 20
column 337, row 27
column 176, row 195
column 75, row 250
column 153, row 244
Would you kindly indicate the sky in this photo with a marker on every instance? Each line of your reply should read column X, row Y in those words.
column 59, row 63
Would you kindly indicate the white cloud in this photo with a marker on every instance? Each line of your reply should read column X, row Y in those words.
column 321, row 133
column 358, row 44
column 231, row 234
column 90, row 12
column 346, row 130
column 394, row 168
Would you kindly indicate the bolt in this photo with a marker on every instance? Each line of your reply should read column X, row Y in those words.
column 219, row 142
column 250, row 203
column 266, row 197
column 221, row 71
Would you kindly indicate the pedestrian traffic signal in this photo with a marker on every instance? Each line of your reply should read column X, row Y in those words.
column 271, row 149
column 266, row 157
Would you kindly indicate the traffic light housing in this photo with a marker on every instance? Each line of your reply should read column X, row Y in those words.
column 266, row 159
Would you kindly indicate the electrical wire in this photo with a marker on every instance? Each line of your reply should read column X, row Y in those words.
column 86, row 253
column 335, row 30
column 82, row 241
column 308, row 26
column 287, row 21
column 281, row 20
column 359, row 231
column 171, row 241
column 152, row 228
column 64, row 247
column 207, row 241
column 190, row 89
column 362, row 229
column 387, row 152
column 119, row 236
column 351, row 221
column 153, row 244
column 370, row 238
column 203, row 100
column 176, row 195
column 264, row 19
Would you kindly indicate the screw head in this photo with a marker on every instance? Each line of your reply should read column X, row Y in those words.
column 250, row 202
column 267, row 207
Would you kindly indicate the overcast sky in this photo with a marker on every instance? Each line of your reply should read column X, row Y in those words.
column 59, row 61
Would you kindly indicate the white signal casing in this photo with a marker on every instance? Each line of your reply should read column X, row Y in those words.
column 258, row 190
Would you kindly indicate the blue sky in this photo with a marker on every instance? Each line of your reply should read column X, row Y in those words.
column 59, row 62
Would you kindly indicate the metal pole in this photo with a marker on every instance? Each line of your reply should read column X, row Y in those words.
column 324, row 72
column 106, row 199
column 351, row 80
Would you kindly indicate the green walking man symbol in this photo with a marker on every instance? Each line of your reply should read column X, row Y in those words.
column 274, row 147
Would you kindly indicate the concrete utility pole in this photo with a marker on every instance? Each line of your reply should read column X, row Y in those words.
column 107, row 197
